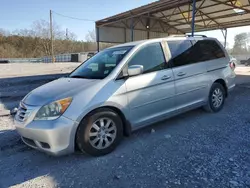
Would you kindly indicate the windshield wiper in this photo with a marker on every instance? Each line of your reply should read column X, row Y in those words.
column 78, row 76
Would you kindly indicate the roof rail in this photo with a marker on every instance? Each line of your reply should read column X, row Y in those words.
column 177, row 35
column 197, row 36
column 204, row 36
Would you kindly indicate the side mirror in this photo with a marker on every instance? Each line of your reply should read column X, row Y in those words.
column 134, row 70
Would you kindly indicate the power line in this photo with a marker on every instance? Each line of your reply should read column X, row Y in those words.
column 74, row 18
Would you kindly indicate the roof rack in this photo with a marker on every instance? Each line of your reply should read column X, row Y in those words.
column 177, row 35
column 204, row 36
column 197, row 36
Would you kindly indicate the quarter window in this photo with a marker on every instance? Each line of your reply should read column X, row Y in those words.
column 184, row 53
column 150, row 57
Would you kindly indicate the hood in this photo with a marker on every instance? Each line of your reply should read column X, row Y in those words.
column 57, row 89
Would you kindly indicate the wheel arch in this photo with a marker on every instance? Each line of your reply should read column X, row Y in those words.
column 223, row 83
column 126, row 124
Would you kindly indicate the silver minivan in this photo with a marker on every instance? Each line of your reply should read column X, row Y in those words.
column 122, row 89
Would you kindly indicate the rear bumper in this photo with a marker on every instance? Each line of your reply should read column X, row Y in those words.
column 54, row 137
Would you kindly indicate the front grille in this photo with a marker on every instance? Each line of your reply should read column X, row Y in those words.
column 22, row 112
column 45, row 145
column 29, row 142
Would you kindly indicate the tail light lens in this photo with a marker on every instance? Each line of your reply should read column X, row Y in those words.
column 232, row 65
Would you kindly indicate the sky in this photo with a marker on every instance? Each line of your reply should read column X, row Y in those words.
column 20, row 14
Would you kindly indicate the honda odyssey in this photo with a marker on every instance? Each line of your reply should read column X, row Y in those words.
column 124, row 88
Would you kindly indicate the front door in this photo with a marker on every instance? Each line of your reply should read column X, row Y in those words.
column 151, row 94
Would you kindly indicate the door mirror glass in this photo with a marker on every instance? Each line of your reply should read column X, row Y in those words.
column 134, row 70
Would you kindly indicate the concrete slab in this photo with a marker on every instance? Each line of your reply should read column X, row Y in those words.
column 4, row 113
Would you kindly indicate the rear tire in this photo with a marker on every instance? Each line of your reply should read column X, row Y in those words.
column 216, row 98
column 100, row 132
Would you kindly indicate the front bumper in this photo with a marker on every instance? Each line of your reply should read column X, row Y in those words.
column 55, row 137
column 231, row 88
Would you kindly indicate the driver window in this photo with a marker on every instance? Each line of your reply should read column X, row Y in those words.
column 151, row 57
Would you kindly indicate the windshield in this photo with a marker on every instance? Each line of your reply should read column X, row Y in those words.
column 101, row 64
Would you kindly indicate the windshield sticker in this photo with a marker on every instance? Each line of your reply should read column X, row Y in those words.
column 119, row 52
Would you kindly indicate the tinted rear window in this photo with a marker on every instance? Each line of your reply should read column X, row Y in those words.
column 209, row 50
column 183, row 52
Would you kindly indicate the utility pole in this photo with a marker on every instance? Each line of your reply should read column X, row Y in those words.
column 67, row 37
column 51, row 37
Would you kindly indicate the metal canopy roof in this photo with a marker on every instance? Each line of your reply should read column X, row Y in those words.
column 165, row 17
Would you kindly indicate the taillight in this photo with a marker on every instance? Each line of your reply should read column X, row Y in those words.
column 232, row 65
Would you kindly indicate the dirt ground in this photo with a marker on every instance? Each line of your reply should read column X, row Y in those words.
column 27, row 69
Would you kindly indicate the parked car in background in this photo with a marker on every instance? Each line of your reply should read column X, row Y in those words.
column 122, row 89
column 90, row 54
column 245, row 62
column 4, row 61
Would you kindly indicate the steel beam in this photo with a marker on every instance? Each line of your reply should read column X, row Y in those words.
column 132, row 29
column 160, row 20
column 218, row 11
column 209, row 17
column 204, row 23
column 174, row 14
column 232, row 5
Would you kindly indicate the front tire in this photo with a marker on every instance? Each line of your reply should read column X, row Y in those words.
column 100, row 132
column 216, row 98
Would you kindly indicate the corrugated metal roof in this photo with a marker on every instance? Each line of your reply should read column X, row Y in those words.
column 175, row 16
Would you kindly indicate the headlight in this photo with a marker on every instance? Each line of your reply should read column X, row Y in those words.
column 53, row 110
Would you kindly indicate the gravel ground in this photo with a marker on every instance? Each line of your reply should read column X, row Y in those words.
column 26, row 69
column 195, row 149
column 18, row 79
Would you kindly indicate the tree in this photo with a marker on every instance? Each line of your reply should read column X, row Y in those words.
column 41, row 29
column 36, row 42
column 91, row 36
column 240, row 43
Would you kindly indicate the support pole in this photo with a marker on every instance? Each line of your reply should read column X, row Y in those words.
column 97, row 39
column 132, row 29
column 51, row 37
column 148, row 27
column 193, row 17
column 225, row 37
column 125, row 35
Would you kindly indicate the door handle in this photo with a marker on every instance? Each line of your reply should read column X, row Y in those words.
column 166, row 77
column 181, row 74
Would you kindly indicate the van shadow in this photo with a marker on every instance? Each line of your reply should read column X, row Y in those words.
column 13, row 89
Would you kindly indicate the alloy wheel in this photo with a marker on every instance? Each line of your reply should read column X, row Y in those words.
column 102, row 133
